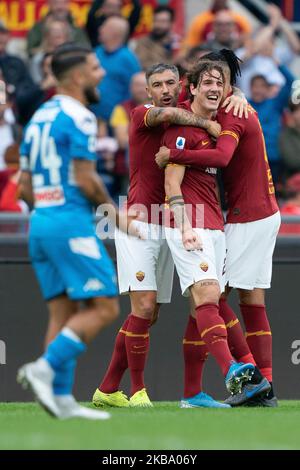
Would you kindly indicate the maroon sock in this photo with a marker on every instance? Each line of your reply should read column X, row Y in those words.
column 235, row 336
column 259, row 336
column 213, row 332
column 195, row 353
column 137, row 347
column 118, row 363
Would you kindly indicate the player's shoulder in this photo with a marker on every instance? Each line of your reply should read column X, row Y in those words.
column 139, row 116
column 141, row 109
column 82, row 118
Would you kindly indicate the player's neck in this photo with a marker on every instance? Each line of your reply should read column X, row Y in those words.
column 200, row 111
column 76, row 94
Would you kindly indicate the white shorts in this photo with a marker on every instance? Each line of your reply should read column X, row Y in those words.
column 195, row 266
column 145, row 265
column 250, row 248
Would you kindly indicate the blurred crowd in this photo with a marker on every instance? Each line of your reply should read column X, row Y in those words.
column 267, row 51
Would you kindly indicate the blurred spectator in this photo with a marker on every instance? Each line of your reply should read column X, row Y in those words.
column 31, row 99
column 224, row 32
column 292, row 205
column 119, row 123
column 290, row 142
column 261, row 55
column 9, row 131
column 58, row 10
column 201, row 28
column 185, row 63
column 56, row 33
column 9, row 196
column 13, row 69
column 10, row 136
column 102, row 9
column 161, row 45
column 270, row 111
column 119, row 63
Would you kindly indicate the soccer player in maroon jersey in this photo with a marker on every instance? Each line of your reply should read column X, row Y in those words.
column 251, row 228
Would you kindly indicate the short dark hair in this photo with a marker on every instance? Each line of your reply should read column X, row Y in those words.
column 67, row 56
column 259, row 77
column 160, row 68
column 164, row 9
column 197, row 72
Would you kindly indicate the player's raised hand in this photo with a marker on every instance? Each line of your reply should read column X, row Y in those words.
column 191, row 240
column 162, row 156
column 213, row 128
column 239, row 104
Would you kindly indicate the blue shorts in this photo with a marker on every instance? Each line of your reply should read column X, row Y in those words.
column 77, row 266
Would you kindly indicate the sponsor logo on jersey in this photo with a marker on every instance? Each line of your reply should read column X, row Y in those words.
column 48, row 196
column 149, row 106
column 180, row 143
column 140, row 276
column 204, row 266
column 211, row 171
column 93, row 285
column 205, row 142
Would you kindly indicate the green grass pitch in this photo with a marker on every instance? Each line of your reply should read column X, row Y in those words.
column 166, row 426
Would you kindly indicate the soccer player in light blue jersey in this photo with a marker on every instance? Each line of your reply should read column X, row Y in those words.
column 71, row 264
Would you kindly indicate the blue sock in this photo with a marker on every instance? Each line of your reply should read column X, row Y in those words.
column 66, row 346
column 64, row 378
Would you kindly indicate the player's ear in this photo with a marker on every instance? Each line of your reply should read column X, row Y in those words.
column 77, row 76
column 193, row 89
column 148, row 93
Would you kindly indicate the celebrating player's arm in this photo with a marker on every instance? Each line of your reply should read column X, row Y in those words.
column 157, row 116
column 94, row 189
column 174, row 175
column 218, row 157
column 236, row 102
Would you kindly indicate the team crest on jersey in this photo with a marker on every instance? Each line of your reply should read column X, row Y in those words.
column 204, row 267
column 180, row 143
column 140, row 276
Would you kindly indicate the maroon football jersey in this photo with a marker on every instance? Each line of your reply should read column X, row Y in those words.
column 199, row 186
column 146, row 179
column 241, row 151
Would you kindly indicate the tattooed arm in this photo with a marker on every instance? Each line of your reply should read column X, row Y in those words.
column 157, row 116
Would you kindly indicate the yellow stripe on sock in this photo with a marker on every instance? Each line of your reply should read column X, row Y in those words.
column 232, row 323
column 258, row 333
column 194, row 343
column 211, row 328
column 134, row 335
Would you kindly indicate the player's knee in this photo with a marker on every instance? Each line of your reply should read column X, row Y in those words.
column 252, row 297
column 106, row 309
column 144, row 305
column 206, row 294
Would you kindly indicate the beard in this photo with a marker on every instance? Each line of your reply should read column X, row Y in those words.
column 92, row 95
column 158, row 35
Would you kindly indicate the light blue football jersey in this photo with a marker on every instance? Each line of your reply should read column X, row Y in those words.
column 61, row 130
